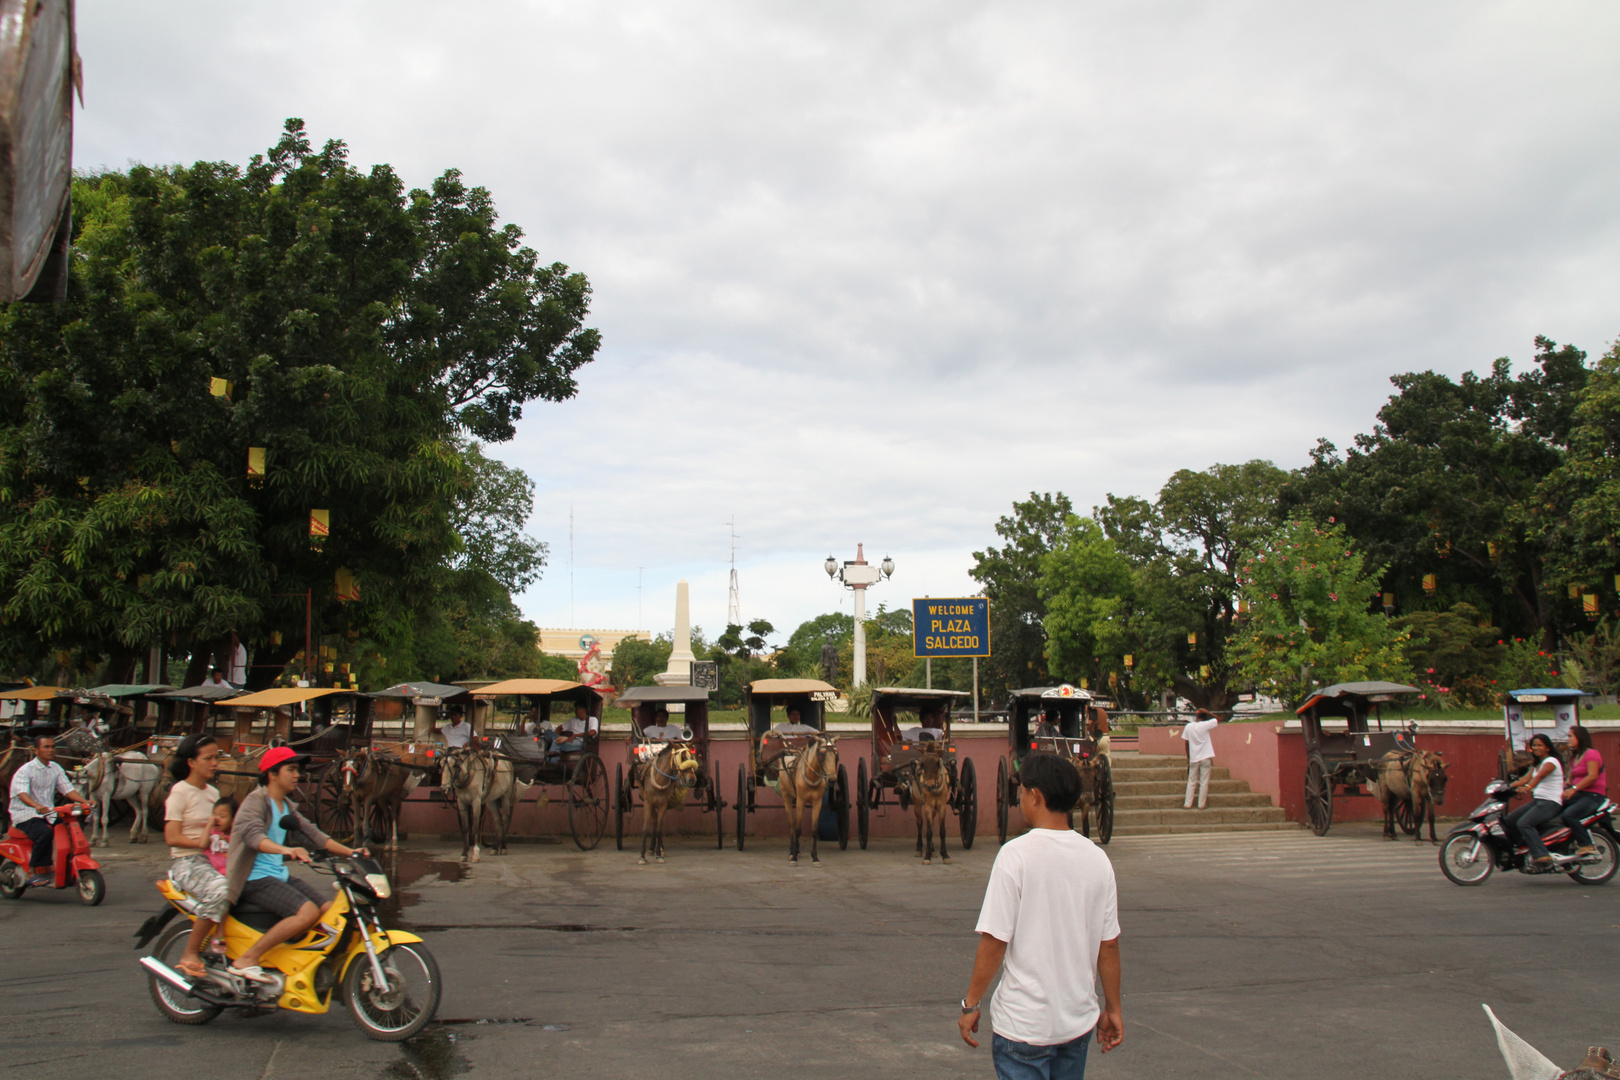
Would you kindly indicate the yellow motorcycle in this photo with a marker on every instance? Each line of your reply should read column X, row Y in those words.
column 388, row 978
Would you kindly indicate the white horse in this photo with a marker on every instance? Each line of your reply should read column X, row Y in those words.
column 106, row 780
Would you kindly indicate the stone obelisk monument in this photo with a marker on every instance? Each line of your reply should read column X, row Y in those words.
column 679, row 672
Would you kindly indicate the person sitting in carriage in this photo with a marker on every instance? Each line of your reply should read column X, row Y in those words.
column 930, row 725
column 571, row 736
column 773, row 744
column 661, row 730
column 458, row 731
column 1050, row 725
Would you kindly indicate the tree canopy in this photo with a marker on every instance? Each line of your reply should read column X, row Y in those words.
column 341, row 337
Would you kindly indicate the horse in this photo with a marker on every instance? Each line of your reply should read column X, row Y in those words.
column 1417, row 778
column 664, row 783
column 12, row 758
column 108, row 779
column 375, row 779
column 930, row 787
column 1090, row 767
column 803, row 778
column 476, row 779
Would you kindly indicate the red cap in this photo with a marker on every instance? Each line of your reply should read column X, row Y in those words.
column 279, row 755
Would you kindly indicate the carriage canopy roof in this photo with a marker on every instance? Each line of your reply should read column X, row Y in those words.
column 1369, row 690
column 414, row 690
column 508, row 687
column 284, row 695
column 915, row 692
column 203, row 692
column 663, row 695
column 31, row 693
column 118, row 690
column 1063, row 691
column 790, row 686
column 1558, row 693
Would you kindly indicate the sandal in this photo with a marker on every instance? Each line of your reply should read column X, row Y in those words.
column 252, row 973
column 191, row 969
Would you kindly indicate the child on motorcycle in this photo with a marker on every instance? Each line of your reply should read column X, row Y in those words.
column 1545, row 783
column 219, row 832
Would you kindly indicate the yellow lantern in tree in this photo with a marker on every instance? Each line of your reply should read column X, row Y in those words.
column 1130, row 661
column 1192, row 638
column 1203, row 671
column 1431, row 584
column 1574, row 592
column 344, row 585
column 320, row 527
column 255, row 470
column 1589, row 605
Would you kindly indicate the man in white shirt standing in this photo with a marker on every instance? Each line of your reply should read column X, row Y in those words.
column 1200, row 756
column 34, row 789
column 1051, row 916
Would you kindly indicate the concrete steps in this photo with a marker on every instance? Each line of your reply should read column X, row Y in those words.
column 1148, row 789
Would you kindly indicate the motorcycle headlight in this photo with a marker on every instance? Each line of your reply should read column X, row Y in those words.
column 379, row 885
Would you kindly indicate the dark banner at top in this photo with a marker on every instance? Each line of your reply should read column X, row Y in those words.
column 951, row 627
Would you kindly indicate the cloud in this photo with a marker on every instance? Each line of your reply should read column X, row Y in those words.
column 871, row 272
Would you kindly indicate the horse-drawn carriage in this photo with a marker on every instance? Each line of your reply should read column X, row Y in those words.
column 1349, row 758
column 795, row 757
column 1062, row 720
column 906, row 759
column 571, row 760
column 1549, row 711
column 668, row 769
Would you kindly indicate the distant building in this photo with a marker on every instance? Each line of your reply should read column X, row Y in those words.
column 574, row 644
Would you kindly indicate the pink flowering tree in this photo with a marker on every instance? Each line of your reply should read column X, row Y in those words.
column 1311, row 618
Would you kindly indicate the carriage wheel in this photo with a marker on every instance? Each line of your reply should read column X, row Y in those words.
column 841, row 808
column 1001, row 802
column 742, row 805
column 618, row 806
column 1405, row 818
column 718, row 805
column 379, row 829
column 334, row 813
column 862, row 804
column 1105, row 805
column 587, row 801
column 967, row 818
column 1318, row 797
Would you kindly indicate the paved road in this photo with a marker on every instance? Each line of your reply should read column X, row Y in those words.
column 1276, row 955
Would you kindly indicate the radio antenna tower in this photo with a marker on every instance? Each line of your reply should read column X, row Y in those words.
column 734, row 604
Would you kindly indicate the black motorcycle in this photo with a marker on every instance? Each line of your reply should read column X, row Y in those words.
column 1480, row 845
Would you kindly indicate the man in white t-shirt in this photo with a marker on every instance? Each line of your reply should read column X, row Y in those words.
column 1200, row 756
column 458, row 731
column 1050, row 923
column 661, row 730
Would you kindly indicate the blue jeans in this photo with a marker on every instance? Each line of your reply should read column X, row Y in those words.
column 1527, row 821
column 1578, row 807
column 1023, row 1061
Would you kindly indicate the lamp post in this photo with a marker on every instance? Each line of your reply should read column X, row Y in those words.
column 857, row 576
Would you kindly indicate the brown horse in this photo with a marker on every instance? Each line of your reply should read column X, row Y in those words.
column 803, row 779
column 664, row 783
column 1417, row 778
column 377, row 782
column 930, row 786
column 1090, row 768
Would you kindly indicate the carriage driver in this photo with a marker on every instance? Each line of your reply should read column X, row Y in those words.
column 254, row 868
column 458, row 731
column 571, row 736
column 34, row 788
column 661, row 730
column 930, row 725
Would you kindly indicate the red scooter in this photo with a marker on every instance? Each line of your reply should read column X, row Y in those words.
column 71, row 853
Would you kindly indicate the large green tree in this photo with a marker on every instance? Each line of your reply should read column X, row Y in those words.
column 365, row 332
column 1010, row 576
column 1455, row 481
column 1311, row 620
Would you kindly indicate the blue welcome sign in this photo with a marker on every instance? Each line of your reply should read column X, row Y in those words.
column 951, row 627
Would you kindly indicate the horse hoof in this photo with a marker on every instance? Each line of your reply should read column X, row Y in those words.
column 793, row 862
column 916, row 854
column 815, row 862
column 641, row 862
column 660, row 858
column 928, row 862
column 945, row 860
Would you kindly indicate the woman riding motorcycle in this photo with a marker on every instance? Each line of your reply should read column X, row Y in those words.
column 1545, row 783
column 186, row 813
column 1588, row 787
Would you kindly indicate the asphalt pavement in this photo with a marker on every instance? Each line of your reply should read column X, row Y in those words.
column 1261, row 955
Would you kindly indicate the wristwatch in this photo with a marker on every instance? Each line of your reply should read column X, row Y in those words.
column 966, row 1008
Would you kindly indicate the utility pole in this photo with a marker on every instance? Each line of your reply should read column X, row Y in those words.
column 571, row 622
column 639, row 570
column 858, row 575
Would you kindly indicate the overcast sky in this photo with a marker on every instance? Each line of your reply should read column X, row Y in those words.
column 872, row 271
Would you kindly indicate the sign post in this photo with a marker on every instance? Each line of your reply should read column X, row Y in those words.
column 954, row 627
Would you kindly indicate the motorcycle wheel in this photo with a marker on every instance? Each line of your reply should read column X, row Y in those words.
column 92, row 887
column 12, row 881
column 1464, row 865
column 1599, row 873
column 178, row 1007
column 412, row 997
